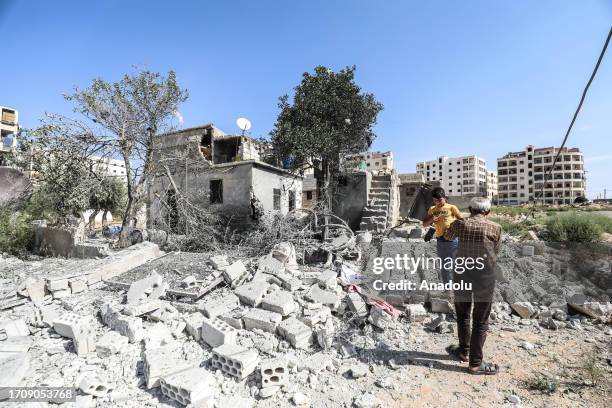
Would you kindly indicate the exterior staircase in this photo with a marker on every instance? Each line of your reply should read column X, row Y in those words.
column 376, row 216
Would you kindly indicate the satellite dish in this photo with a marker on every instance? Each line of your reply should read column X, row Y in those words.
column 243, row 124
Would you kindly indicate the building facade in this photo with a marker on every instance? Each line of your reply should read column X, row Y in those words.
column 492, row 188
column 458, row 176
column 374, row 162
column 521, row 176
column 219, row 172
column 9, row 126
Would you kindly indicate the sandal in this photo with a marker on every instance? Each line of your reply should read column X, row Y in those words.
column 484, row 369
column 455, row 350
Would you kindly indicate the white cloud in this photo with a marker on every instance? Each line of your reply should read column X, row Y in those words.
column 598, row 158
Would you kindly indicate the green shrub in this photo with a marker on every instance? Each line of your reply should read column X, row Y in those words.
column 515, row 228
column 16, row 232
column 573, row 227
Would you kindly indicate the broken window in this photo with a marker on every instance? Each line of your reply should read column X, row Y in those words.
column 216, row 191
column 291, row 200
column 276, row 193
column 309, row 195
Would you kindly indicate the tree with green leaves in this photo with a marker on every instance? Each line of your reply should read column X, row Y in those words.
column 109, row 197
column 328, row 119
column 130, row 113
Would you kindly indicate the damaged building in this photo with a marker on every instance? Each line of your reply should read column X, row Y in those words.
column 218, row 171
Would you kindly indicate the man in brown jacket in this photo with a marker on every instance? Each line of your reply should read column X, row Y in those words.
column 479, row 239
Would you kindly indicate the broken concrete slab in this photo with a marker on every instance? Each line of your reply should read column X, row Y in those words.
column 188, row 386
column 234, row 318
column 261, row 319
column 328, row 279
column 16, row 344
column 13, row 328
column 141, row 289
column 138, row 308
column 13, row 368
column 380, row 318
column 110, row 343
column 269, row 264
column 85, row 340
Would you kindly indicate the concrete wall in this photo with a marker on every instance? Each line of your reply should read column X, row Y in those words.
column 351, row 198
column 196, row 185
column 266, row 180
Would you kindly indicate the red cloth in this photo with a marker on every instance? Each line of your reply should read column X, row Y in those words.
column 381, row 304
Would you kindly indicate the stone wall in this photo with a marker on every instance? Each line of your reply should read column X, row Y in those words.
column 351, row 197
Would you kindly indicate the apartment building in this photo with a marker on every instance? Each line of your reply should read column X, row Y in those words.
column 9, row 125
column 112, row 167
column 492, row 191
column 458, row 176
column 521, row 176
column 376, row 162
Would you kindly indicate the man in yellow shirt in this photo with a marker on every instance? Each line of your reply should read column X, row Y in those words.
column 442, row 215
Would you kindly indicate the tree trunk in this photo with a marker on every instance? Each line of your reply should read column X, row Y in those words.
column 104, row 216
column 91, row 224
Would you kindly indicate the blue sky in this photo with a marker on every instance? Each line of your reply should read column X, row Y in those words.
column 456, row 77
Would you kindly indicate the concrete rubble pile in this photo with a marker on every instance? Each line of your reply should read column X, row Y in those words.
column 253, row 330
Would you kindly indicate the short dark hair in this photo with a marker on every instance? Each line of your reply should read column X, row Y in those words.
column 438, row 192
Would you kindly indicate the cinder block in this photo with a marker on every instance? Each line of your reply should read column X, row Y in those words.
column 194, row 324
column 57, row 284
column 261, row 319
column 274, row 372
column 416, row 312
column 77, row 285
column 313, row 317
column 68, row 324
column 216, row 332
column 271, row 265
column 234, row 360
column 188, row 386
column 128, row 326
column 328, row 279
column 161, row 361
column 92, row 384
column 166, row 313
column 215, row 307
column 279, row 301
column 61, row 294
column 85, row 340
column 380, row 318
column 219, row 261
column 235, row 273
column 110, row 343
column 252, row 293
column 234, row 318
column 356, row 304
column 325, row 297
column 295, row 332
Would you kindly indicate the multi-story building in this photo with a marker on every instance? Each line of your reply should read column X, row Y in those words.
column 9, row 125
column 521, row 176
column 492, row 185
column 112, row 167
column 372, row 161
column 458, row 176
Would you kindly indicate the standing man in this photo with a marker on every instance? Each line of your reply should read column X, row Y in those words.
column 442, row 215
column 479, row 239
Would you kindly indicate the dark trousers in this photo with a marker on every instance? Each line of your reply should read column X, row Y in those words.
column 471, row 340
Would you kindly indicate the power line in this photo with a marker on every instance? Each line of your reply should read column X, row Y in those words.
column 569, row 129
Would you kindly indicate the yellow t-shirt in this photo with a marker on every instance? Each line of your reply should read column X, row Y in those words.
column 448, row 214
